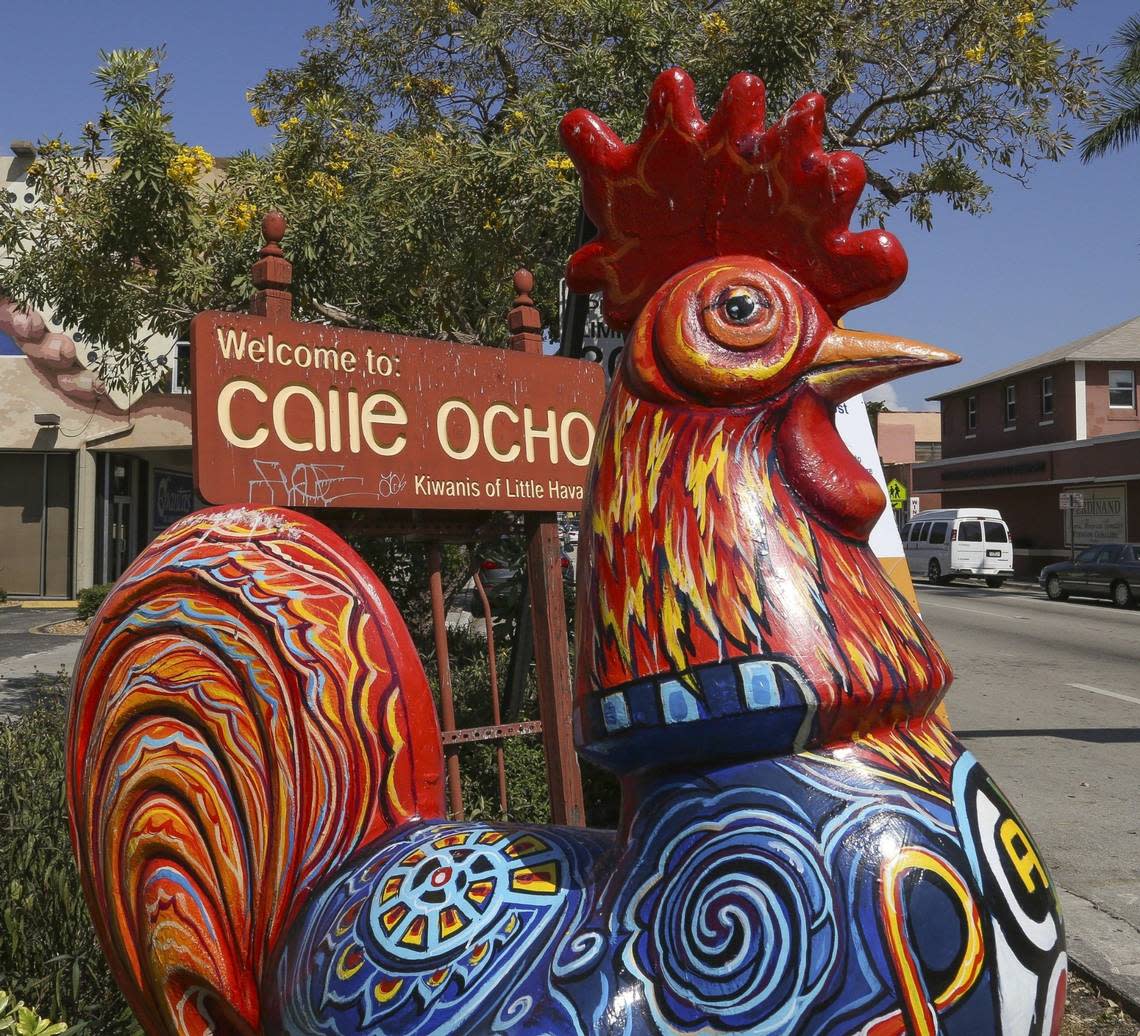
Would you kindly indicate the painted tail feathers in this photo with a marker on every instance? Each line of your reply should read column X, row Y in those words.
column 241, row 724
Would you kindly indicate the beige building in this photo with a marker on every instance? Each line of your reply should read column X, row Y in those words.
column 86, row 479
column 905, row 438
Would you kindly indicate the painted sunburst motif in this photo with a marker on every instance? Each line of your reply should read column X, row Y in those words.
column 450, row 890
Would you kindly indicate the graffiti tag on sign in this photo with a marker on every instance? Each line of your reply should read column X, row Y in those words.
column 305, row 415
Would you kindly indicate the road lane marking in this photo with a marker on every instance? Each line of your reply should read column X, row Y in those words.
column 977, row 611
column 1101, row 690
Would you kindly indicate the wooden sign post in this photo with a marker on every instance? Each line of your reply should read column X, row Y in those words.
column 426, row 432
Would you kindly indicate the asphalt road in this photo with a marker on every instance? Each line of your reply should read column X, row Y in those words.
column 1047, row 696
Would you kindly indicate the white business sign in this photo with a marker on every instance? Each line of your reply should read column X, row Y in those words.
column 1102, row 519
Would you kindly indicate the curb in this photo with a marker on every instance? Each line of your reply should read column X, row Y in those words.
column 1107, row 988
column 42, row 630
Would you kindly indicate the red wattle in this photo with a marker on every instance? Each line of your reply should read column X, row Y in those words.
column 822, row 471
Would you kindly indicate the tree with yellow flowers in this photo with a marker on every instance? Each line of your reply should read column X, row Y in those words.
column 418, row 164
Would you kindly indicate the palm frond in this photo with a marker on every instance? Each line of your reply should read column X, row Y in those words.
column 1119, row 128
column 1127, row 71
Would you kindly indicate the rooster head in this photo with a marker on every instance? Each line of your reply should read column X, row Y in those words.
column 724, row 249
column 738, row 331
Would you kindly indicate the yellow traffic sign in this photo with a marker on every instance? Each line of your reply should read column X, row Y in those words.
column 897, row 492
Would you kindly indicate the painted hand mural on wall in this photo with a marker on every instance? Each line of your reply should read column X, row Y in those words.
column 52, row 352
column 254, row 760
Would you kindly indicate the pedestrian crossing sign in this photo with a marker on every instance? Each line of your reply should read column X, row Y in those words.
column 897, row 492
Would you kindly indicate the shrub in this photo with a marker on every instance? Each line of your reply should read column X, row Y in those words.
column 20, row 1020
column 91, row 598
column 49, row 955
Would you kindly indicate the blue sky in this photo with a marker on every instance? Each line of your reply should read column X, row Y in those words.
column 1049, row 264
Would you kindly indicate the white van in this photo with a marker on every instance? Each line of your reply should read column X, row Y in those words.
column 959, row 541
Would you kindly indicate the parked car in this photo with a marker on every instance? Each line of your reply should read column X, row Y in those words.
column 1109, row 570
column 960, row 541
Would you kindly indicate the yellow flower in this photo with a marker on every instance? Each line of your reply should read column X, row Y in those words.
column 36, row 168
column 714, row 25
column 397, row 172
column 975, row 54
column 59, row 205
column 259, row 115
column 337, row 165
column 349, row 133
column 240, row 218
column 91, row 175
column 1022, row 23
column 327, row 185
column 189, row 164
column 559, row 163
column 452, row 8
column 290, row 123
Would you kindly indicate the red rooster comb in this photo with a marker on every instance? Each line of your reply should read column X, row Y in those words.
column 688, row 190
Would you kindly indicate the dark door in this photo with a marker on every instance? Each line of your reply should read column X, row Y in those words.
column 36, row 502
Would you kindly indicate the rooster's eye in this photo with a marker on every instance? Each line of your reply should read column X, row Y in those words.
column 740, row 305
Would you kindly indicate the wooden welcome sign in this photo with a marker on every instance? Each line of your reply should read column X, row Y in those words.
column 305, row 415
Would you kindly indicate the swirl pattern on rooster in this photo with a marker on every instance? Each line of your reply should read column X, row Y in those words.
column 448, row 927
column 884, row 888
column 832, row 893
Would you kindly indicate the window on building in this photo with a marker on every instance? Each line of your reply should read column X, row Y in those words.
column 1047, row 396
column 1010, row 405
column 179, row 381
column 1122, row 389
column 971, row 413
column 924, row 451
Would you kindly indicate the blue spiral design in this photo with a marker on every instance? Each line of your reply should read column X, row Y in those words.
column 737, row 928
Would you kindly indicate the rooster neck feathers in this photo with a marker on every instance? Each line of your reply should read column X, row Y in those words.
column 704, row 553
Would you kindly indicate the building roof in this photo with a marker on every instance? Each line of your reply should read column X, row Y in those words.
column 1120, row 342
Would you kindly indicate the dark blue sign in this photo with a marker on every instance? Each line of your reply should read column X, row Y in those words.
column 173, row 498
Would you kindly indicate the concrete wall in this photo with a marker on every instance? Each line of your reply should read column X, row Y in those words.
column 896, row 433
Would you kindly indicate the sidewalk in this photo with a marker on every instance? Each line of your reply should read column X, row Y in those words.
column 1105, row 947
column 27, row 657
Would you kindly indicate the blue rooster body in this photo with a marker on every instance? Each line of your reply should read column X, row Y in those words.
column 746, row 898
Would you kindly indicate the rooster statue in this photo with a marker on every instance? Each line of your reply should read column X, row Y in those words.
column 254, row 757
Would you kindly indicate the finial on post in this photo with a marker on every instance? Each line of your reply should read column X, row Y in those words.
column 524, row 320
column 272, row 273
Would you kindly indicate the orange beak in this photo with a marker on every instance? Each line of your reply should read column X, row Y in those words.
column 854, row 361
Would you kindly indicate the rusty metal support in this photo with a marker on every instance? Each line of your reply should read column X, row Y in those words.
column 551, row 646
column 493, row 672
column 446, row 701
column 471, row 734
